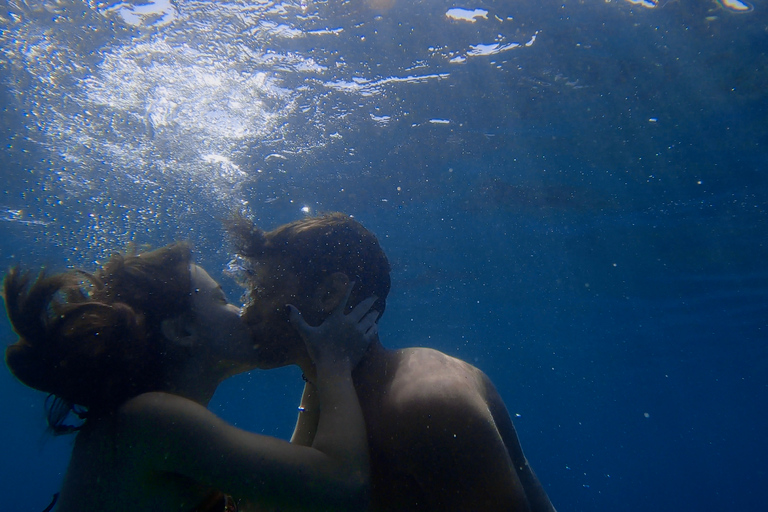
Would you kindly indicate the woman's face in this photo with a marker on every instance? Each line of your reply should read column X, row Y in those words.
column 217, row 323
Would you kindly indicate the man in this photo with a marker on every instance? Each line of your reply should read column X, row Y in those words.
column 440, row 436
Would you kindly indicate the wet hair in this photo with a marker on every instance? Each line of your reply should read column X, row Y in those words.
column 93, row 341
column 314, row 248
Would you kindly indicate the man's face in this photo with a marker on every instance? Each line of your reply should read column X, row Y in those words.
column 277, row 342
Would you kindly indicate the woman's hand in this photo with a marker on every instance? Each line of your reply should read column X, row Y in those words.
column 340, row 338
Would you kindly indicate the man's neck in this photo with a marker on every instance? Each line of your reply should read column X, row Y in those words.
column 371, row 369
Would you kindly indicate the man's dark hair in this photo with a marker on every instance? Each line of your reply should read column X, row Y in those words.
column 316, row 247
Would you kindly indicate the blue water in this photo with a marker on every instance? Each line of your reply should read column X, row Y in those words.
column 573, row 196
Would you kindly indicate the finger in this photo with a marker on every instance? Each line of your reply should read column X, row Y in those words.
column 368, row 320
column 343, row 304
column 363, row 308
column 373, row 331
column 297, row 321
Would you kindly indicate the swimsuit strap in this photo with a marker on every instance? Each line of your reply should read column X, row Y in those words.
column 53, row 502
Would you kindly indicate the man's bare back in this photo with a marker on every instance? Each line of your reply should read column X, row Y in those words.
column 440, row 436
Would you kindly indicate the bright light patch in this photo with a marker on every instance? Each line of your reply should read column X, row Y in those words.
column 490, row 49
column 735, row 6
column 645, row 3
column 224, row 169
column 157, row 13
column 466, row 15
column 381, row 119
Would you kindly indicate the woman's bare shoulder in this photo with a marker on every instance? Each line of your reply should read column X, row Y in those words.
column 158, row 408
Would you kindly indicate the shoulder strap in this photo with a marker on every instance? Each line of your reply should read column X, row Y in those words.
column 53, row 502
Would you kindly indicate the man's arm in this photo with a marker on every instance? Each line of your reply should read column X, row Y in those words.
column 309, row 416
column 537, row 496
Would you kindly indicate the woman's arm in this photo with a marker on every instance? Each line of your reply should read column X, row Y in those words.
column 329, row 337
column 336, row 346
column 162, row 432
column 168, row 433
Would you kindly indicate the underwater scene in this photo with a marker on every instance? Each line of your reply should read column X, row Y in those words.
column 572, row 195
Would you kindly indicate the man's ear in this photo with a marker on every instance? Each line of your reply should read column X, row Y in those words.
column 179, row 330
column 332, row 291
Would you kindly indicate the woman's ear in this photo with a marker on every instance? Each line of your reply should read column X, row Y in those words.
column 333, row 291
column 179, row 330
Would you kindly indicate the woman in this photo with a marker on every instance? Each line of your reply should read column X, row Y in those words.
column 137, row 350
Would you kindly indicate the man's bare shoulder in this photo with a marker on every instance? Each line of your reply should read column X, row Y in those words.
column 429, row 378
column 437, row 425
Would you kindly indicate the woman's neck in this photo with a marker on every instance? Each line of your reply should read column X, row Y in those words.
column 195, row 381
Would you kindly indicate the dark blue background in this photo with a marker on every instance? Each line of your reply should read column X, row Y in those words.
column 589, row 228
